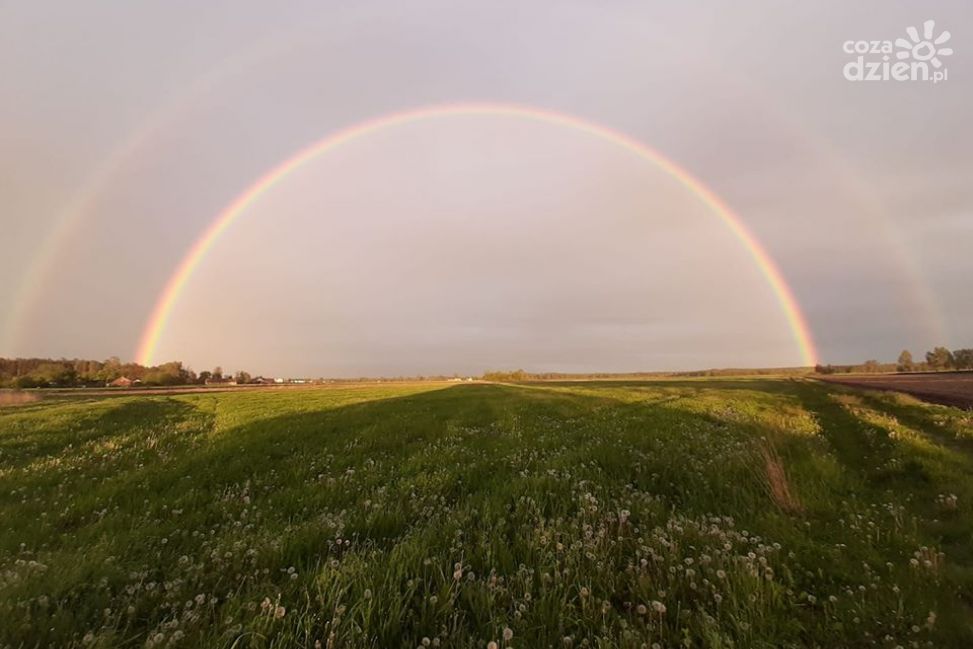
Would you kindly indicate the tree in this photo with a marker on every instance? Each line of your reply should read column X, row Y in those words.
column 217, row 373
column 167, row 374
column 871, row 366
column 22, row 382
column 54, row 374
column 939, row 358
column 963, row 359
column 204, row 376
column 242, row 377
column 905, row 363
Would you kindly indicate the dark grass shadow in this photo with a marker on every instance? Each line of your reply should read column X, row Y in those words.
column 22, row 444
column 773, row 385
column 375, row 426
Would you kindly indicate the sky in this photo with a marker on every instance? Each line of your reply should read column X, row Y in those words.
column 472, row 242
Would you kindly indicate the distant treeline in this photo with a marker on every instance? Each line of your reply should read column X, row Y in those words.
column 20, row 373
column 937, row 360
column 67, row 373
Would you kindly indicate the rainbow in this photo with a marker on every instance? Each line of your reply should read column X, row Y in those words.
column 159, row 317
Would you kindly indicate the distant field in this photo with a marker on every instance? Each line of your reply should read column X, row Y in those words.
column 949, row 388
column 716, row 513
column 48, row 393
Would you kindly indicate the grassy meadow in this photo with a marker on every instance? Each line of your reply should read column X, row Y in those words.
column 696, row 513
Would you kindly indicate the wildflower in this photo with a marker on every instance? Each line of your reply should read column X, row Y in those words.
column 658, row 607
column 508, row 634
column 89, row 637
column 641, row 609
column 279, row 612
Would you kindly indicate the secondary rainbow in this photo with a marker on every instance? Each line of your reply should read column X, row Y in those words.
column 187, row 266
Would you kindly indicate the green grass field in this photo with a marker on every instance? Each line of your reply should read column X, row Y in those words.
column 721, row 513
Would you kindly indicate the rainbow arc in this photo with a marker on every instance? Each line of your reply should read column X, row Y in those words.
column 177, row 282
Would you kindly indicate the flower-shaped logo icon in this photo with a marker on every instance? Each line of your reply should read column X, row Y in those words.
column 924, row 48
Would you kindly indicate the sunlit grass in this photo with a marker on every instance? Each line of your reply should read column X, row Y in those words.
column 752, row 513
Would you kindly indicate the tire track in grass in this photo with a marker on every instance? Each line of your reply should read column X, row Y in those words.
column 920, row 417
column 952, row 469
column 905, row 468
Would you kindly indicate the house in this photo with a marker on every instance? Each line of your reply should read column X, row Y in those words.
column 121, row 382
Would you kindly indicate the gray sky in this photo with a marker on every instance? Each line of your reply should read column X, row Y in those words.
column 479, row 242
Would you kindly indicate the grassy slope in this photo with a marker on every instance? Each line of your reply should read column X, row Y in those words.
column 751, row 513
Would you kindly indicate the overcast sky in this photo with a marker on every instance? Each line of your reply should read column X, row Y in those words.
column 480, row 242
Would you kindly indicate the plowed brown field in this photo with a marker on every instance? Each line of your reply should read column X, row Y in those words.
column 948, row 388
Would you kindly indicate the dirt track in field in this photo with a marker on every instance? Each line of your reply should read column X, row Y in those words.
column 947, row 388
